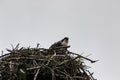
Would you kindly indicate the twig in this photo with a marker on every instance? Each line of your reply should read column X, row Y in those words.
column 51, row 58
column 79, row 56
column 65, row 74
column 35, row 77
column 17, row 46
column 52, row 72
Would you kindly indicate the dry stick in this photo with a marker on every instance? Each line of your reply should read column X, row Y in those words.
column 78, row 77
column 12, row 46
column 21, row 48
column 37, row 70
column 84, row 72
column 8, row 63
column 35, row 77
column 51, row 58
column 17, row 46
column 90, row 74
column 27, row 58
column 63, row 62
column 34, row 63
column 37, row 46
column 4, row 55
column 52, row 71
column 11, row 51
column 65, row 74
column 53, row 74
column 11, row 66
column 79, row 56
column 37, row 67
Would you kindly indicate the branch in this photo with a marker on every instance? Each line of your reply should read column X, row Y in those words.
column 79, row 56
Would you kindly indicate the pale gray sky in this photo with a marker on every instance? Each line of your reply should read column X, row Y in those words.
column 93, row 27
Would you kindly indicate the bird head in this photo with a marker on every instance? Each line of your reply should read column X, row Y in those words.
column 64, row 41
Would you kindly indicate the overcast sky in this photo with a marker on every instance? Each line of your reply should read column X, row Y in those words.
column 93, row 27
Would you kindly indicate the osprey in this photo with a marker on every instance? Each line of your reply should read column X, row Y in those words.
column 63, row 42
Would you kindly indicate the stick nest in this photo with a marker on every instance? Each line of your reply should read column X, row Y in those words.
column 43, row 64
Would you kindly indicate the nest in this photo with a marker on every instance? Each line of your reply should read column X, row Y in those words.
column 43, row 64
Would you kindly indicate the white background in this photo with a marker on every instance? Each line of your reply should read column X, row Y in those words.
column 93, row 27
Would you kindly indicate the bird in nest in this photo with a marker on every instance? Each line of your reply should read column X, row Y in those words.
column 61, row 43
